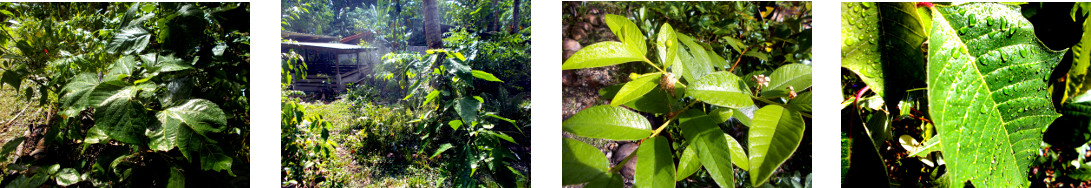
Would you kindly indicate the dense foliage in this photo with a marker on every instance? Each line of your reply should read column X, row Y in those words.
column 950, row 91
column 687, row 108
column 457, row 116
column 138, row 94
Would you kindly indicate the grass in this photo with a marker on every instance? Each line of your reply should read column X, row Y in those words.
column 13, row 104
column 347, row 168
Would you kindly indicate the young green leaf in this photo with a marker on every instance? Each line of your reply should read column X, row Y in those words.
column 581, row 162
column 798, row 76
column 721, row 89
column 608, row 122
column 601, row 54
column 688, row 163
column 485, row 76
column 666, row 45
column 737, row 152
column 627, row 32
column 699, row 65
column 711, row 146
column 455, row 124
column 987, row 92
column 636, row 88
column 775, row 134
column 441, row 149
column 655, row 167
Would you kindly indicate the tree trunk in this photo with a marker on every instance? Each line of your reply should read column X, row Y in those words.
column 493, row 26
column 431, row 25
column 515, row 27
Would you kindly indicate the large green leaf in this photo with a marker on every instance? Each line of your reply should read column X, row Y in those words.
column 987, row 92
column 798, row 76
column 904, row 31
column 711, row 146
column 721, row 89
column 627, row 32
column 441, row 149
column 608, row 181
column 608, row 122
column 158, row 63
column 581, row 162
column 655, row 164
column 636, row 88
column 67, row 176
column 10, row 146
column 177, row 179
column 601, row 54
column 118, row 113
column 129, row 41
column 186, row 126
column 860, row 45
column 467, row 109
column 775, row 134
column 74, row 94
column 12, row 78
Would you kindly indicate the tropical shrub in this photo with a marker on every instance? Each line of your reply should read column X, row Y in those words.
column 132, row 111
column 695, row 92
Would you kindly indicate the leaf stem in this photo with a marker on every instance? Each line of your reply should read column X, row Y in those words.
column 646, row 60
column 656, row 133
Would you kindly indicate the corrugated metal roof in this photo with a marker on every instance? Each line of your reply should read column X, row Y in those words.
column 338, row 47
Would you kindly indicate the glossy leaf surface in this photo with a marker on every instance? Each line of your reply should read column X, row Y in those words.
column 608, row 122
column 775, row 134
column 581, row 162
column 655, row 167
column 721, row 89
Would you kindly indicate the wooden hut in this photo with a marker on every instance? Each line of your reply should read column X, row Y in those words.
column 331, row 65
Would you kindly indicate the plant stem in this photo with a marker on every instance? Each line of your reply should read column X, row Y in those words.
column 656, row 133
column 646, row 60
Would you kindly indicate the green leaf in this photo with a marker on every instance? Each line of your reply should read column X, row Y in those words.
column 10, row 146
column 441, row 149
column 636, row 88
column 608, row 122
column 581, row 162
column 802, row 102
column 186, row 126
column 129, row 41
column 655, row 164
column 1077, row 80
column 722, row 114
column 157, row 63
column 987, row 92
column 117, row 113
column 860, row 50
column 655, row 101
column 122, row 68
column 798, row 76
column 721, row 89
column 12, row 78
column 737, row 44
column 711, row 146
column 467, row 109
column 430, row 97
column 666, row 45
column 601, row 54
column 775, row 134
column 688, row 163
column 757, row 54
column 177, row 179
column 609, row 180
column 67, row 176
column 455, row 124
column 213, row 159
column 627, row 32
column 698, row 65
column 74, row 94
column 485, row 76
column 737, row 152
column 903, row 35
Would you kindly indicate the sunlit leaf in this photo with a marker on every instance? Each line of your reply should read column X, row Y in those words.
column 601, row 54
column 721, row 89
column 775, row 134
column 581, row 162
column 655, row 164
column 608, row 122
column 636, row 88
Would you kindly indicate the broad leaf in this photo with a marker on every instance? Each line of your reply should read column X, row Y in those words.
column 655, row 164
column 608, row 122
column 802, row 102
column 485, row 76
column 1077, row 80
column 721, row 89
column 987, row 92
column 698, row 66
column 860, row 51
column 904, row 31
column 467, row 109
column 158, row 63
column 627, row 32
column 129, row 41
column 11, row 146
column 601, row 54
column 186, row 126
column 636, row 88
column 711, row 146
column 117, row 113
column 177, row 179
column 722, row 114
column 798, row 76
column 74, row 94
column 581, row 162
column 775, row 134
column 688, row 163
column 455, row 124
column 12, row 78
column 67, row 176
column 608, row 181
